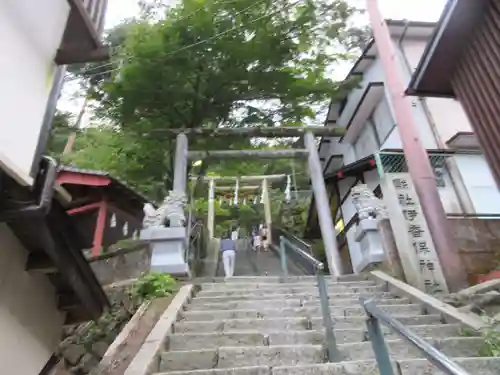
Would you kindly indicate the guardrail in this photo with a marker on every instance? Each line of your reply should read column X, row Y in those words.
column 375, row 316
column 331, row 342
column 297, row 257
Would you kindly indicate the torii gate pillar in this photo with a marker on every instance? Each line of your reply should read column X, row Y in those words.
column 211, row 208
column 323, row 207
column 267, row 207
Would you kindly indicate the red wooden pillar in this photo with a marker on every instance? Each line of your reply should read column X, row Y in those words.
column 100, row 225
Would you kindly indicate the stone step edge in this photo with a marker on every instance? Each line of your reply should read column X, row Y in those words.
column 305, row 310
column 279, row 296
column 340, row 330
column 340, row 318
column 285, row 284
column 318, row 347
column 338, row 302
column 287, row 287
column 331, row 367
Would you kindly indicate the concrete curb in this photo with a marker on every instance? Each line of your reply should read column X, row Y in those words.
column 449, row 313
column 146, row 360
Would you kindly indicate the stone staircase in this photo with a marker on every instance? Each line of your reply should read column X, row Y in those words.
column 260, row 326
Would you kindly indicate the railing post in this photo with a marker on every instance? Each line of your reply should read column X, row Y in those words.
column 284, row 267
column 379, row 345
column 331, row 342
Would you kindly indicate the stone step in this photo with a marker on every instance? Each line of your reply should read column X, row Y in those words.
column 293, row 355
column 191, row 341
column 200, row 305
column 264, row 286
column 276, row 279
column 294, row 312
column 294, row 324
column 277, row 296
column 229, row 357
column 475, row 366
column 288, row 289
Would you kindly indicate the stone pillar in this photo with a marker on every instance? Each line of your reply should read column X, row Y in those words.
column 180, row 174
column 164, row 228
column 323, row 207
column 267, row 207
column 211, row 208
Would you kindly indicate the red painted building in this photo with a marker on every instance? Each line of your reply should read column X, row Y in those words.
column 105, row 209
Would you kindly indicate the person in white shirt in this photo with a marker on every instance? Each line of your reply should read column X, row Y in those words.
column 264, row 238
column 228, row 250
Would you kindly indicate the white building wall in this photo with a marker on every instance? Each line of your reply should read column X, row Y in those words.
column 31, row 33
column 447, row 114
column 30, row 323
column 480, row 184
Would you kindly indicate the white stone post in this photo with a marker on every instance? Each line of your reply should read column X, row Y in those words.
column 323, row 207
column 267, row 207
column 211, row 208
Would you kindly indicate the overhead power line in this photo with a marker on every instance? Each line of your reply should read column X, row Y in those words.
column 128, row 58
column 216, row 36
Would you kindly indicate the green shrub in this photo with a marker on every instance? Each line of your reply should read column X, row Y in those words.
column 491, row 336
column 153, row 285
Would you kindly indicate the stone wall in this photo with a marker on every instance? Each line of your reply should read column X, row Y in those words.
column 478, row 242
column 83, row 346
column 121, row 265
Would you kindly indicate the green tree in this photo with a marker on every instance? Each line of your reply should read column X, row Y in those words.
column 61, row 128
column 222, row 63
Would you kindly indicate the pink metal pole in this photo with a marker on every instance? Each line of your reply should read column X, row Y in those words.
column 419, row 167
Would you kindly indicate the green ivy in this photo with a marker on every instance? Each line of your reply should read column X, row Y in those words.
column 491, row 336
column 153, row 285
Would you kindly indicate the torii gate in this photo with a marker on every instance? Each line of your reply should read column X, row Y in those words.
column 265, row 195
column 174, row 203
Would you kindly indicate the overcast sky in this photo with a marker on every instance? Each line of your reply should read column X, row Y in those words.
column 417, row 10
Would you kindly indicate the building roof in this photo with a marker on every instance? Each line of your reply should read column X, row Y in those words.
column 455, row 27
column 53, row 243
column 115, row 184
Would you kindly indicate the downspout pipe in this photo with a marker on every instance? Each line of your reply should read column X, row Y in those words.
column 44, row 204
column 464, row 199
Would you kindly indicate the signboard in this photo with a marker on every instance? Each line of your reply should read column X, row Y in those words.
column 411, row 232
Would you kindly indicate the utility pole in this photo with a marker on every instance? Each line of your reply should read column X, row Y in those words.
column 419, row 166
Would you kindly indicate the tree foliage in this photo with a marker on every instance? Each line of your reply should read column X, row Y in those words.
column 210, row 63
column 61, row 129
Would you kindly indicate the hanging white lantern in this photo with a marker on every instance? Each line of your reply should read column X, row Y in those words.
column 112, row 223
column 125, row 229
column 236, row 188
column 255, row 199
column 288, row 192
column 244, row 201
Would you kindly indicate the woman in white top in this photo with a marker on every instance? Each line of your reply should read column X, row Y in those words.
column 264, row 238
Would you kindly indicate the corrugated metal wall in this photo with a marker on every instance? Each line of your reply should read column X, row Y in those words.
column 477, row 85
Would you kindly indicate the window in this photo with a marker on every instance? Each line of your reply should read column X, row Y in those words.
column 382, row 120
column 367, row 142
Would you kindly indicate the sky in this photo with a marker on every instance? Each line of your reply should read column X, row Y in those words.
column 118, row 10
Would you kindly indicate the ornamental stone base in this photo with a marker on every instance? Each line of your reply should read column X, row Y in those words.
column 167, row 249
column 368, row 237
